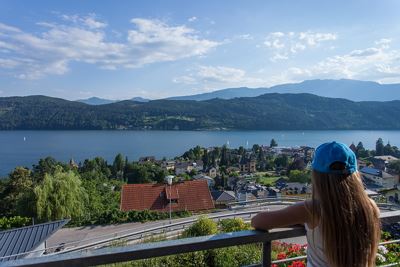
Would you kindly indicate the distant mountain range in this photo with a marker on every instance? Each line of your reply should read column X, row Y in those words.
column 347, row 89
column 101, row 101
column 96, row 101
column 266, row 112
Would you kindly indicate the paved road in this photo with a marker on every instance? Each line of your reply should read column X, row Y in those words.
column 78, row 236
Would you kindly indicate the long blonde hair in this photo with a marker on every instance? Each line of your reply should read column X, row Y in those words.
column 348, row 219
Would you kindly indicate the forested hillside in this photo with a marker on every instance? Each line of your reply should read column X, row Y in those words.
column 265, row 112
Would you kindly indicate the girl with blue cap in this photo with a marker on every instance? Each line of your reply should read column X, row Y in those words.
column 342, row 222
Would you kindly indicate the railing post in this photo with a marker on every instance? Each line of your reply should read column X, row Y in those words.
column 266, row 254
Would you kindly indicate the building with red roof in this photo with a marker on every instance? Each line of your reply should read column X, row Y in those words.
column 188, row 195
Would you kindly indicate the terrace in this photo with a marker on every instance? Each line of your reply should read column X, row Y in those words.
column 150, row 250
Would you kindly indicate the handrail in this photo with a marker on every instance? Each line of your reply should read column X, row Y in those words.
column 114, row 236
column 270, row 201
column 165, row 248
column 157, row 228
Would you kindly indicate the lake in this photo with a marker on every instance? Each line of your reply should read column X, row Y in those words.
column 24, row 148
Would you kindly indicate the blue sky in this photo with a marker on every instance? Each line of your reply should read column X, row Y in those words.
column 155, row 49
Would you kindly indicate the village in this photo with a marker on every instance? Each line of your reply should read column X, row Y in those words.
column 152, row 196
column 241, row 176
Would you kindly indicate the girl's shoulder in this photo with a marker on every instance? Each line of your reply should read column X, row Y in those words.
column 313, row 212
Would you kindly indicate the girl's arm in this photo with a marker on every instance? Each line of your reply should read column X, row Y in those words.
column 291, row 215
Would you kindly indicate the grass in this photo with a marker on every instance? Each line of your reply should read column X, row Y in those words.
column 269, row 180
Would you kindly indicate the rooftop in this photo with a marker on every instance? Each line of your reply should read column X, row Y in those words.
column 26, row 239
column 190, row 195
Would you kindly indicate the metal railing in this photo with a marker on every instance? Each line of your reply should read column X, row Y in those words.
column 104, row 240
column 165, row 248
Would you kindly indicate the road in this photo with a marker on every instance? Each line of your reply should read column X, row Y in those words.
column 78, row 236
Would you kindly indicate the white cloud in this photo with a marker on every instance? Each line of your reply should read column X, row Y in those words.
column 191, row 19
column 313, row 39
column 156, row 41
column 90, row 21
column 219, row 76
column 244, row 37
column 4, row 27
column 379, row 63
column 84, row 39
column 8, row 63
column 186, row 79
column 283, row 45
column 383, row 42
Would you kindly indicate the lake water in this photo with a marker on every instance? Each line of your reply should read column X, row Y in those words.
column 24, row 148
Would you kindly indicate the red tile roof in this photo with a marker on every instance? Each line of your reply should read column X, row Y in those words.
column 190, row 195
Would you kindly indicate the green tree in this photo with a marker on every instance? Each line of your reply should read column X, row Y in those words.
column 15, row 188
column 273, row 143
column 388, row 150
column 360, row 146
column 281, row 161
column 224, row 156
column 60, row 195
column 103, row 197
column 241, row 151
column 97, row 165
column 361, row 151
column 261, row 155
column 13, row 222
column 379, row 147
column 233, row 225
column 256, row 148
column 206, row 158
column 46, row 165
column 203, row 226
column 395, row 165
column 118, row 166
column 195, row 153
column 138, row 175
column 297, row 164
column 299, row 176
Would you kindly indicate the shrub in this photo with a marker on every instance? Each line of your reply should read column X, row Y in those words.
column 233, row 225
column 203, row 226
column 14, row 222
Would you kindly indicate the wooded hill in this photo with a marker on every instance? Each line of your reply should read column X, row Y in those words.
column 266, row 112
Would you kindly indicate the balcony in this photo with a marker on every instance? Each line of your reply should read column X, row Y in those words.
column 172, row 247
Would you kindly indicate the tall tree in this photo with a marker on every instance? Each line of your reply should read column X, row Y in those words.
column 379, row 147
column 119, row 166
column 273, row 143
column 241, row 151
column 46, row 165
column 97, row 165
column 388, row 150
column 360, row 146
column 281, row 161
column 361, row 151
column 19, row 183
column 224, row 156
column 256, row 148
column 60, row 195
column 206, row 158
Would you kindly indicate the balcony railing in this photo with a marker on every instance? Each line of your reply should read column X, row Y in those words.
column 172, row 247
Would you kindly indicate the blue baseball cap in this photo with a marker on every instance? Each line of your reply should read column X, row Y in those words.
column 327, row 154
